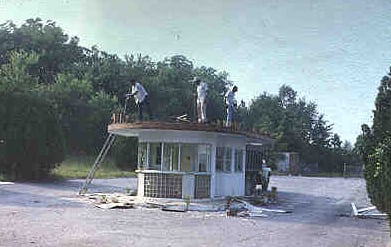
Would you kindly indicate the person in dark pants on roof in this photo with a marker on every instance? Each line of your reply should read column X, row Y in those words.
column 141, row 98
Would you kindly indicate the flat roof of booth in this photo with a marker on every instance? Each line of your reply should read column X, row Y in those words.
column 133, row 129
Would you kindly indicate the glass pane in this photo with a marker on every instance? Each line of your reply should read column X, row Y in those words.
column 227, row 159
column 238, row 160
column 142, row 155
column 170, row 157
column 219, row 158
column 188, row 157
column 203, row 158
column 155, row 156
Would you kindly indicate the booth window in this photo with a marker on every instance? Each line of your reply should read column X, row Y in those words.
column 142, row 155
column 188, row 157
column 223, row 159
column 174, row 157
column 155, row 156
column 238, row 160
column 170, row 157
column 203, row 158
column 227, row 159
column 219, row 158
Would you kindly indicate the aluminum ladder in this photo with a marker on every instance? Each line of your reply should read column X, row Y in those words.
column 98, row 161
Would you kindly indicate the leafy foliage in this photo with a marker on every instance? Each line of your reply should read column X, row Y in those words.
column 31, row 137
column 378, row 175
column 31, row 140
column 83, row 112
column 374, row 146
column 14, row 76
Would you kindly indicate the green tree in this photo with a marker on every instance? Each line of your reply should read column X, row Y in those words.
column 83, row 114
column 287, row 96
column 336, row 142
column 265, row 114
column 321, row 132
column 378, row 175
column 297, row 127
column 14, row 76
column 364, row 143
column 57, row 52
column 31, row 139
column 170, row 88
column 374, row 146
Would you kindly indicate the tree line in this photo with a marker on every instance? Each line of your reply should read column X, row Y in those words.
column 58, row 96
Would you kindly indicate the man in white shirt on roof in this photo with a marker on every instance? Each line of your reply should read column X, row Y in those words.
column 230, row 103
column 202, row 87
column 141, row 98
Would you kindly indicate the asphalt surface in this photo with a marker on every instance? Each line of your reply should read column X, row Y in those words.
column 51, row 214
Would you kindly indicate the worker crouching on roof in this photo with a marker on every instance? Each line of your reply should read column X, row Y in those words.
column 141, row 98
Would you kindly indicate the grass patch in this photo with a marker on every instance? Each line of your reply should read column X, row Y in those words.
column 78, row 167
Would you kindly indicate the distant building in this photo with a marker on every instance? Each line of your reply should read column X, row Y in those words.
column 288, row 162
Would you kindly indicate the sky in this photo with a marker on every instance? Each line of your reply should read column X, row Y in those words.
column 332, row 52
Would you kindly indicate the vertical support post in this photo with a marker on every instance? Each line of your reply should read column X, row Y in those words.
column 232, row 160
column 243, row 171
column 161, row 157
column 213, row 171
column 179, row 157
column 148, row 158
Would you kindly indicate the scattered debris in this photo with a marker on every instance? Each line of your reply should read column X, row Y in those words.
column 175, row 208
column 368, row 212
column 151, row 205
column 253, row 208
column 240, row 207
column 110, row 201
column 233, row 206
column 5, row 183
column 183, row 118
column 206, row 207
column 115, row 205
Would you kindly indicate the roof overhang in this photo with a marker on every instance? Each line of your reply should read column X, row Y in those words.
column 143, row 128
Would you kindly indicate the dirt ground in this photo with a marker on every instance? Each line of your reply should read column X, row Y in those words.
column 51, row 214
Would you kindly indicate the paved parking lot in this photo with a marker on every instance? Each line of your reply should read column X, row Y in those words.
column 51, row 214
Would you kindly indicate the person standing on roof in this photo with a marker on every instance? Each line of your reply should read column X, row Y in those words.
column 202, row 89
column 230, row 103
column 141, row 98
